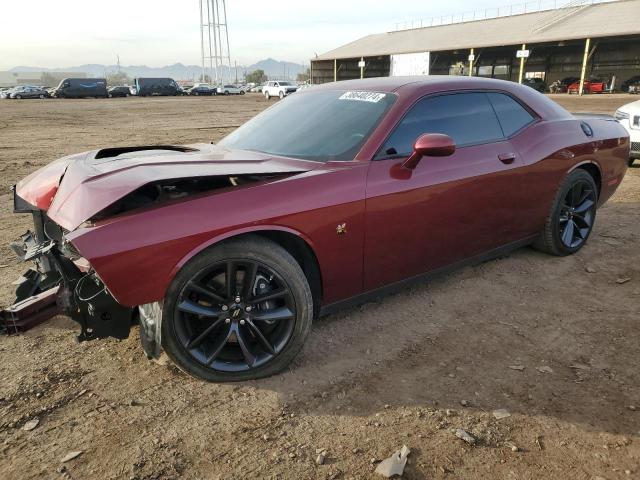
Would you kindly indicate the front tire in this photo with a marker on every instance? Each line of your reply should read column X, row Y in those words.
column 572, row 216
column 267, row 96
column 218, row 327
column 281, row 95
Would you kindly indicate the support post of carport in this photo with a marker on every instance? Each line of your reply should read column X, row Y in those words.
column 361, row 67
column 472, row 57
column 335, row 69
column 587, row 45
column 524, row 47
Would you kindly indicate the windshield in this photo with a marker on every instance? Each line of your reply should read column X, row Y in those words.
column 317, row 125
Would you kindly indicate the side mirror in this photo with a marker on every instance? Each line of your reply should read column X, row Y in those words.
column 430, row 145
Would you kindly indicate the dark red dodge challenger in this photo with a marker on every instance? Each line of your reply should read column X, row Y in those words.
column 226, row 253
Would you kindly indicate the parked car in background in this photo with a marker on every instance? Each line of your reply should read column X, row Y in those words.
column 201, row 89
column 278, row 89
column 593, row 85
column 632, row 82
column 229, row 90
column 119, row 91
column 226, row 253
column 5, row 92
column 82, row 88
column 147, row 87
column 629, row 118
column 537, row 84
column 561, row 86
column 257, row 88
column 28, row 92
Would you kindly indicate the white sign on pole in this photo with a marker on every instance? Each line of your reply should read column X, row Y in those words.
column 410, row 64
column 523, row 53
column 361, row 64
column 472, row 57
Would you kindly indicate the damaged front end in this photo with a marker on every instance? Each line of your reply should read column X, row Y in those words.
column 103, row 250
column 60, row 283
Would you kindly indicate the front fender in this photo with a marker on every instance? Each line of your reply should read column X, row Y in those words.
column 138, row 254
column 236, row 233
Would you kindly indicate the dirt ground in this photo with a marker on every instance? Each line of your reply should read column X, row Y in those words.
column 552, row 343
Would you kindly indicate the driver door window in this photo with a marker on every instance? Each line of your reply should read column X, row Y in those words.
column 468, row 118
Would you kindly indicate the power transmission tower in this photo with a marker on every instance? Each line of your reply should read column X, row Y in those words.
column 214, row 41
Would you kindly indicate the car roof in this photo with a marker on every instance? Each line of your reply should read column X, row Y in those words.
column 417, row 86
column 435, row 82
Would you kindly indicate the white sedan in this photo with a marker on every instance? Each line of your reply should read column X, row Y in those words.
column 629, row 118
column 229, row 90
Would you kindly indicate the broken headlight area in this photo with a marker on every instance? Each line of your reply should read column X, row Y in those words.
column 59, row 282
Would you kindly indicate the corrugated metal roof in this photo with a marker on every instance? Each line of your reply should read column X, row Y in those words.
column 599, row 20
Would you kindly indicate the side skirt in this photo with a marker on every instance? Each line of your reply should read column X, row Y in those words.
column 403, row 284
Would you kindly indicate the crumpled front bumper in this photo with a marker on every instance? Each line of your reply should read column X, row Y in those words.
column 61, row 282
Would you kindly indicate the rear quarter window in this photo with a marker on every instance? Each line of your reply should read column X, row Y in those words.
column 512, row 115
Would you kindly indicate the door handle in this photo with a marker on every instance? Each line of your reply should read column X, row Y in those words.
column 507, row 158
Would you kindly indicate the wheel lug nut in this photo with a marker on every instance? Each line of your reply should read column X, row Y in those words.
column 247, row 309
column 238, row 299
column 242, row 322
column 225, row 308
column 227, row 320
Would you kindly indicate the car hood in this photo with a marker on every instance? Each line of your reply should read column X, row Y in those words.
column 631, row 108
column 75, row 188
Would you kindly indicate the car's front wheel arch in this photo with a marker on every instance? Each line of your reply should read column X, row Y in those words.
column 298, row 245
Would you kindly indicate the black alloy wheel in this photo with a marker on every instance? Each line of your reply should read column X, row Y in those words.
column 572, row 215
column 577, row 214
column 240, row 311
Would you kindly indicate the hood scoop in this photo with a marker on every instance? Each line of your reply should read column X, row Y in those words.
column 117, row 151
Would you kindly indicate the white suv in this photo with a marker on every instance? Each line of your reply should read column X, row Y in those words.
column 629, row 117
column 278, row 89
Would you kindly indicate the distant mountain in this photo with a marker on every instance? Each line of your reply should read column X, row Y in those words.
column 276, row 69
column 178, row 71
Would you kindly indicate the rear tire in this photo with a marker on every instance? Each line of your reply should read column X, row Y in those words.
column 572, row 216
column 221, row 341
column 631, row 160
column 267, row 96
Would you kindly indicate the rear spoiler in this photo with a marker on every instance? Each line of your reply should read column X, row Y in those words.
column 599, row 116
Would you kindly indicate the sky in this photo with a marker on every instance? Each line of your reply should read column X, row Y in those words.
column 162, row 32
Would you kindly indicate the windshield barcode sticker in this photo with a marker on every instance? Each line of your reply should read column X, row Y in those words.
column 372, row 97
